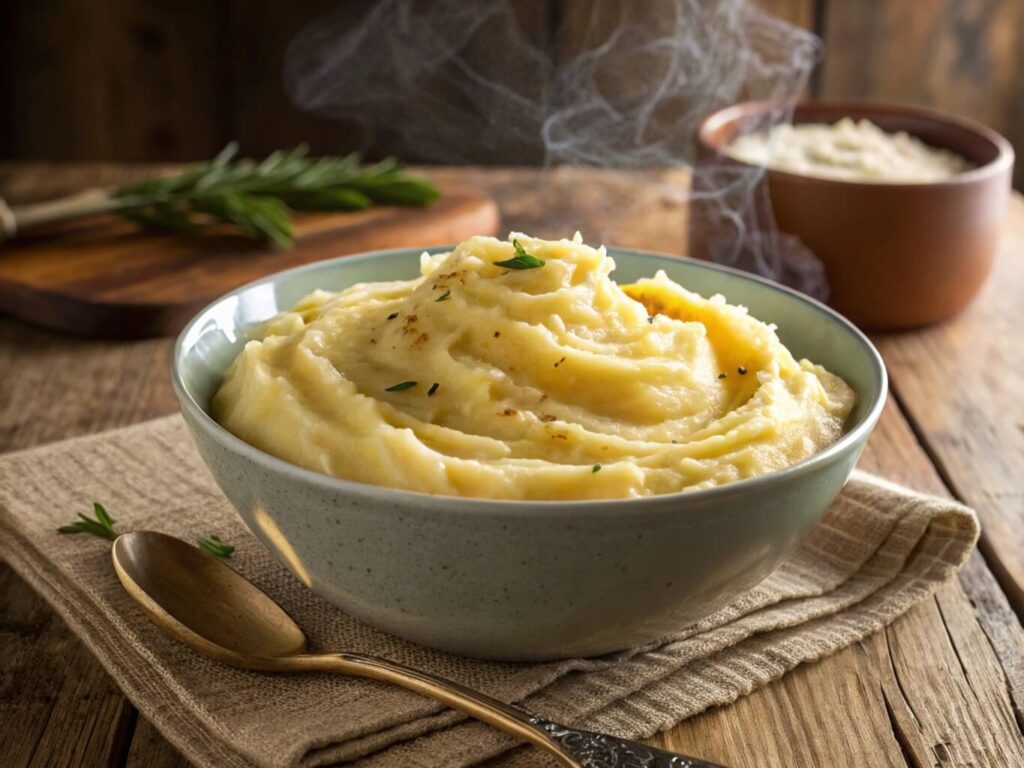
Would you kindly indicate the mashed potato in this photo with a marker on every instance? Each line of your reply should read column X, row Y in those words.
column 855, row 151
column 544, row 382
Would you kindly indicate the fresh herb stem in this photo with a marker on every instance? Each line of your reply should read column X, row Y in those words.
column 102, row 525
column 216, row 547
column 256, row 197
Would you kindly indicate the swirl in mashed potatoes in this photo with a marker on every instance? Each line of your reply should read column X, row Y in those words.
column 550, row 382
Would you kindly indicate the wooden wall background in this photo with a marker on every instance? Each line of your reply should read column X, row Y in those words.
column 166, row 80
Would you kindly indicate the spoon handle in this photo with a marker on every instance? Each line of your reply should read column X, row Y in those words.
column 575, row 748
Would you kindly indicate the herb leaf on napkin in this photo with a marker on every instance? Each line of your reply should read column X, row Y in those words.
column 216, row 547
column 102, row 525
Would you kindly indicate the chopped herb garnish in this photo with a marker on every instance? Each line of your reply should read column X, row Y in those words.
column 444, row 297
column 216, row 547
column 102, row 525
column 392, row 316
column 595, row 469
column 522, row 259
column 559, row 362
column 742, row 370
column 403, row 385
column 721, row 375
column 433, row 389
column 650, row 319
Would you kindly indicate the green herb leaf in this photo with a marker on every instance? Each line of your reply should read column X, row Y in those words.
column 595, row 469
column 258, row 198
column 216, row 547
column 522, row 259
column 401, row 386
column 443, row 297
column 102, row 525
column 433, row 389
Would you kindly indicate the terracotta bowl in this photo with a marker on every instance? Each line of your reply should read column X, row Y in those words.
column 896, row 255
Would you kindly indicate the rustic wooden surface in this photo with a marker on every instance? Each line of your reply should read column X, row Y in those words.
column 105, row 277
column 148, row 80
column 944, row 685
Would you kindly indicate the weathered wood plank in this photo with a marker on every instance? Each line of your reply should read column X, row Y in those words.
column 802, row 13
column 47, row 55
column 961, row 384
column 62, row 386
column 149, row 749
column 57, row 705
column 137, row 80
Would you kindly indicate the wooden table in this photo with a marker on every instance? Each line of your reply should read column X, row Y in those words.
column 944, row 685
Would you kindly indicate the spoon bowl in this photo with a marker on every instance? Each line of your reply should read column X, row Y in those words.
column 204, row 602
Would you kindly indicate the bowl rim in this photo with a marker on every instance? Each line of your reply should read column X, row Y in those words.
column 396, row 496
column 1001, row 163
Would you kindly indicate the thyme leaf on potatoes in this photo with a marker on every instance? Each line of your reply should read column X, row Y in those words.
column 522, row 260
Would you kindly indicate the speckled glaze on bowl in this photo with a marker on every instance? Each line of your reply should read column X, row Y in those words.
column 524, row 580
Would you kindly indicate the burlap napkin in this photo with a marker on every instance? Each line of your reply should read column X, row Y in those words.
column 880, row 549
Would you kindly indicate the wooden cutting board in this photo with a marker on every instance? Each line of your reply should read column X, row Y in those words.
column 103, row 277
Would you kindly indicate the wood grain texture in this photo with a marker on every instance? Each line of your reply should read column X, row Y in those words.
column 159, row 81
column 135, row 80
column 258, row 35
column 57, row 705
column 942, row 686
column 104, row 277
column 151, row 750
column 802, row 13
column 961, row 385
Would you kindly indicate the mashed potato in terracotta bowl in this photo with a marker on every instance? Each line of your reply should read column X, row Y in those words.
column 520, row 369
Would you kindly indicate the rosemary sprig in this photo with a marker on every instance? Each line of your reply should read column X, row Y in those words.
column 522, row 260
column 102, row 525
column 258, row 198
column 216, row 547
column 400, row 386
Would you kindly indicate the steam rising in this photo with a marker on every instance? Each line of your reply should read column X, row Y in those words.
column 457, row 81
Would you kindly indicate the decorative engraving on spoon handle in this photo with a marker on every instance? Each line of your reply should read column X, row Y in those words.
column 581, row 749
column 596, row 750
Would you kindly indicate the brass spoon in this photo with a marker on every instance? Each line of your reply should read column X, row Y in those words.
column 213, row 609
